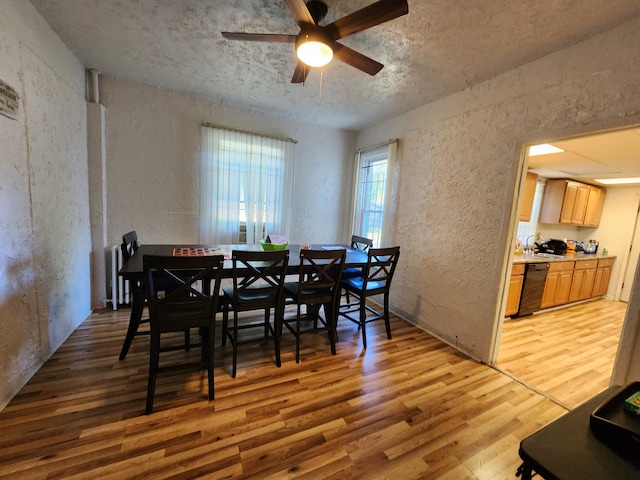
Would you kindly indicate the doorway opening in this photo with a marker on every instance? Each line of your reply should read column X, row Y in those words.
column 567, row 353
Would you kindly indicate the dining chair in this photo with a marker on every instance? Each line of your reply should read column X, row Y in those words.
column 257, row 284
column 191, row 302
column 319, row 277
column 128, row 247
column 375, row 280
column 359, row 243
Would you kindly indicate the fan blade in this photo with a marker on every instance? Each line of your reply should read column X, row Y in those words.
column 375, row 14
column 300, row 12
column 259, row 37
column 300, row 74
column 355, row 59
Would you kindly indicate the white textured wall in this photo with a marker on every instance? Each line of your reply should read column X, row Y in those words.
column 459, row 162
column 44, row 216
column 152, row 145
column 615, row 231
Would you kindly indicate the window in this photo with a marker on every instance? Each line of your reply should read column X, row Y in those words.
column 373, row 191
column 245, row 186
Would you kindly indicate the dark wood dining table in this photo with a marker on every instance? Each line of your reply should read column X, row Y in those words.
column 132, row 270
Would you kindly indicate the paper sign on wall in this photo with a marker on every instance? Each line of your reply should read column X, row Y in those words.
column 8, row 101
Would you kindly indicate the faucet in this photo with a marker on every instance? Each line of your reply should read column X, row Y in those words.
column 529, row 249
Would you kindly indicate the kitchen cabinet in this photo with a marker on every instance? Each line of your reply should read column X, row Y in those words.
column 515, row 289
column 566, row 201
column 595, row 204
column 558, row 284
column 602, row 278
column 584, row 276
column 527, row 199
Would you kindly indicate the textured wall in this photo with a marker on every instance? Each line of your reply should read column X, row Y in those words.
column 44, row 216
column 458, row 165
column 152, row 149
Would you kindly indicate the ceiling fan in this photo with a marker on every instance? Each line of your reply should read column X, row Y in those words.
column 316, row 45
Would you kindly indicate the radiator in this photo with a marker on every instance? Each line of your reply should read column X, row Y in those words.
column 119, row 286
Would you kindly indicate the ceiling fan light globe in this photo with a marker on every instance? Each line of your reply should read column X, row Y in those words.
column 314, row 53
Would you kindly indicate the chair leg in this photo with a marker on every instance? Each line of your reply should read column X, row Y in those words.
column 154, row 361
column 187, row 340
column 386, row 315
column 363, row 320
column 210, row 337
column 331, row 318
column 298, row 313
column 137, row 307
column 278, row 314
column 225, row 323
column 234, row 343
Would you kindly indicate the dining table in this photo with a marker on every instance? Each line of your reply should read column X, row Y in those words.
column 133, row 270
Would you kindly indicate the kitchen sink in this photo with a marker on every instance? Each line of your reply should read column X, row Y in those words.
column 548, row 255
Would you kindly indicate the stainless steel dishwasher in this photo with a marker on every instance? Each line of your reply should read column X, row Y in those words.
column 535, row 275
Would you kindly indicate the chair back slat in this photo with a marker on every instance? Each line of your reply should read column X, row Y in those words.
column 129, row 245
column 182, row 289
column 361, row 243
column 381, row 265
column 258, row 274
column 320, row 270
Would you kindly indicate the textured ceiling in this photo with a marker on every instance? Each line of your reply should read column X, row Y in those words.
column 440, row 47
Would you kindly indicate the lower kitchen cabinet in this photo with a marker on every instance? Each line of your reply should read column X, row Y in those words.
column 603, row 275
column 558, row 284
column 584, row 276
column 515, row 289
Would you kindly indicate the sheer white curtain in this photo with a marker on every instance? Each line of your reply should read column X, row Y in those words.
column 247, row 179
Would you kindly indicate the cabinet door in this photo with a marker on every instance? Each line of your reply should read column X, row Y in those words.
column 601, row 282
column 513, row 298
column 595, row 204
column 580, row 205
column 569, row 202
column 587, row 283
column 527, row 199
column 550, row 286
column 576, row 285
column 563, row 288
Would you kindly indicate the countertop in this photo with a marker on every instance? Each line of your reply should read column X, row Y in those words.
column 567, row 258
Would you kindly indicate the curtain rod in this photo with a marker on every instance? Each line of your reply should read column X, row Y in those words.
column 210, row 125
column 388, row 142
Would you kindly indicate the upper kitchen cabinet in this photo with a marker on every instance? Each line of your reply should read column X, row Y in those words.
column 527, row 198
column 595, row 204
column 571, row 202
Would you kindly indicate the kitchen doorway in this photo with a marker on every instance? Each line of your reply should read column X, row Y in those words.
column 531, row 348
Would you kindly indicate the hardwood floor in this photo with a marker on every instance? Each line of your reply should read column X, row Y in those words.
column 568, row 353
column 410, row 407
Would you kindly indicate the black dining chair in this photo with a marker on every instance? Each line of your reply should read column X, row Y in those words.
column 318, row 286
column 258, row 284
column 190, row 302
column 359, row 243
column 375, row 280
column 128, row 247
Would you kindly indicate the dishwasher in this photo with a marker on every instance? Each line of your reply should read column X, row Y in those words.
column 535, row 276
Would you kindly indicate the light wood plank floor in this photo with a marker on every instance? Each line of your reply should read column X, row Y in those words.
column 410, row 407
column 567, row 353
